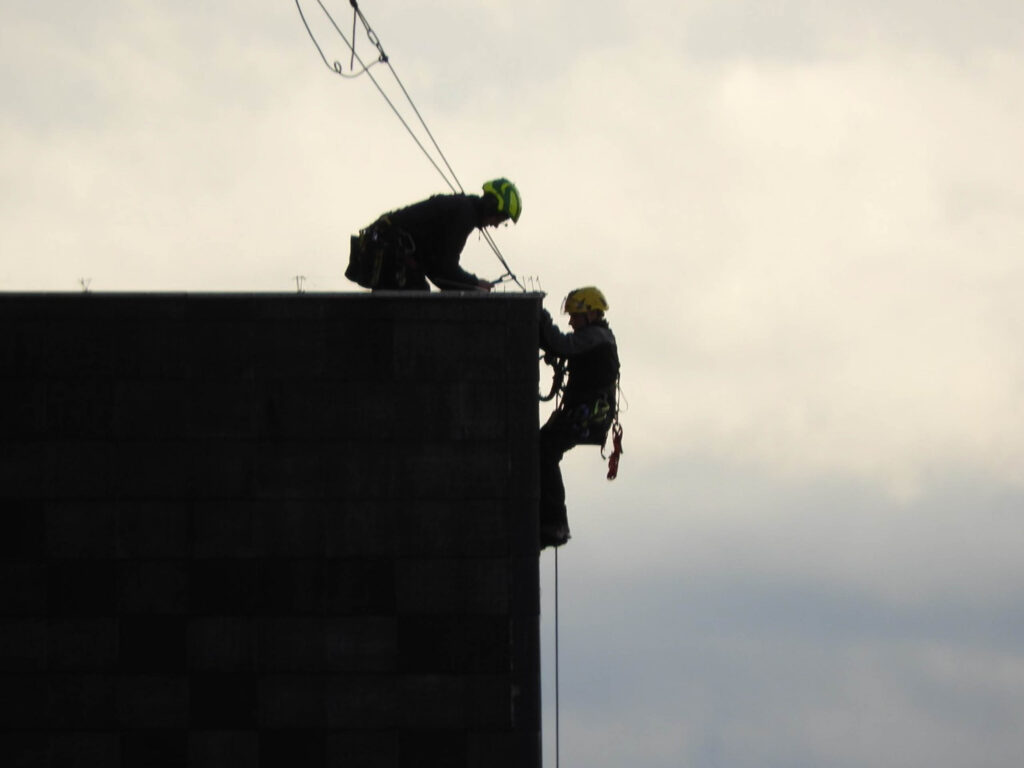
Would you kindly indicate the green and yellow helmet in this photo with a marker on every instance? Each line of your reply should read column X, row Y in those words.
column 584, row 300
column 505, row 192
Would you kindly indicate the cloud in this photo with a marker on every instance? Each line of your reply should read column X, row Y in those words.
column 739, row 620
column 810, row 258
column 808, row 30
column 746, row 675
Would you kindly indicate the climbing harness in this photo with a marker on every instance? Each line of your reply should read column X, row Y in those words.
column 586, row 416
column 588, row 420
column 381, row 255
column 448, row 174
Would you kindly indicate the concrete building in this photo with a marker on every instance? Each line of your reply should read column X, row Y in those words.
column 269, row 530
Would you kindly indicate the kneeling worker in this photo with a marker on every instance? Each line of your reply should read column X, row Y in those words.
column 403, row 248
column 588, row 404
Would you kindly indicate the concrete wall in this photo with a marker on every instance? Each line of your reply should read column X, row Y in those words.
column 269, row 530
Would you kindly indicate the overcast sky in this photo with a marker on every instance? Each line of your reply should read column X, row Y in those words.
column 808, row 218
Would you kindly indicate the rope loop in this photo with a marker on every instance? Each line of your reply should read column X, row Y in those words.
column 336, row 66
column 558, row 365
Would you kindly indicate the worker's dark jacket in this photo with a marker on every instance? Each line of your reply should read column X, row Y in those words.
column 423, row 239
column 588, row 401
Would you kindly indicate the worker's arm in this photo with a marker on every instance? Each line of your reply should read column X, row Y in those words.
column 554, row 341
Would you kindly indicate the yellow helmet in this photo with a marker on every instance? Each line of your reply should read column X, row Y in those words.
column 584, row 300
column 505, row 192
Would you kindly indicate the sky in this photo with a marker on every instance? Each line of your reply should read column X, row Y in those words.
column 807, row 217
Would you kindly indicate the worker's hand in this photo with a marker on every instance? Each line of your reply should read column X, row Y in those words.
column 487, row 285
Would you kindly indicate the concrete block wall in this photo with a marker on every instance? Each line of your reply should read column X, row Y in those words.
column 269, row 530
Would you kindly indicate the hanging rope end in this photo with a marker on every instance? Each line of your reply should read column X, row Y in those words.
column 613, row 460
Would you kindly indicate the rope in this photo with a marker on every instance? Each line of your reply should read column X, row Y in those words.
column 557, row 377
column 558, row 733
column 613, row 460
column 453, row 182
column 337, row 68
column 508, row 269
column 616, row 434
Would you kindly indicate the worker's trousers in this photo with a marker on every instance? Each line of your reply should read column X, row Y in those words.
column 556, row 437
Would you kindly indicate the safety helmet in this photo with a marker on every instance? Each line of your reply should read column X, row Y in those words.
column 584, row 300
column 505, row 192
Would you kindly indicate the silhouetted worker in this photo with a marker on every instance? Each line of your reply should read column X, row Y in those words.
column 588, row 404
column 403, row 248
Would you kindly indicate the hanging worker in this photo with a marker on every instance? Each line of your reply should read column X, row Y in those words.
column 588, row 404
column 404, row 248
